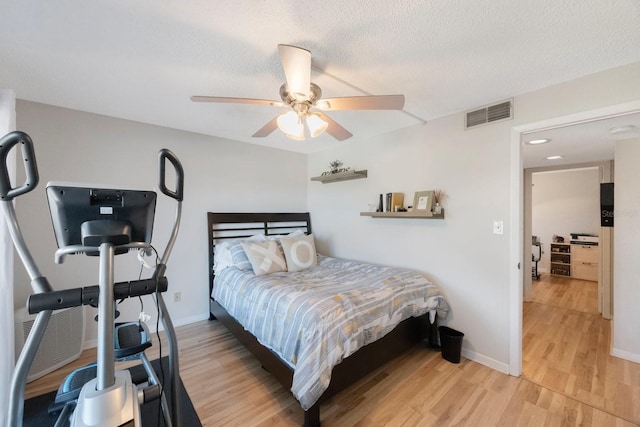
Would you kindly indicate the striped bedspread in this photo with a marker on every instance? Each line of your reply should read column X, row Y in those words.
column 314, row 318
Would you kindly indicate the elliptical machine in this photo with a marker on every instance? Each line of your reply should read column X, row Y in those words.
column 104, row 223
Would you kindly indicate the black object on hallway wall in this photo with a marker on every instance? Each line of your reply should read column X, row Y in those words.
column 606, row 204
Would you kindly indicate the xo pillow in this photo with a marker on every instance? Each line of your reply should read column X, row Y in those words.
column 265, row 257
column 300, row 253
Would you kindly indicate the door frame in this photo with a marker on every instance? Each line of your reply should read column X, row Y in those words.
column 516, row 217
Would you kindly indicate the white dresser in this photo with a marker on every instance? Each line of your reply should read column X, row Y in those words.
column 584, row 261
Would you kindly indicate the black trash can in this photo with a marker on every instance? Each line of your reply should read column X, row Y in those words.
column 451, row 341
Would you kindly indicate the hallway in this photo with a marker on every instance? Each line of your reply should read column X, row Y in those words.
column 566, row 346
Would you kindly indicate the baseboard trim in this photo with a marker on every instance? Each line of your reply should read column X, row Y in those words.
column 486, row 361
column 626, row 355
column 188, row 320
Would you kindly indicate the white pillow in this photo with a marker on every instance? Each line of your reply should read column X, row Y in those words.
column 221, row 257
column 265, row 257
column 300, row 253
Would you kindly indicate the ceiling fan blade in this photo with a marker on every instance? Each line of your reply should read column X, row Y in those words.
column 333, row 128
column 372, row 102
column 226, row 100
column 267, row 129
column 296, row 63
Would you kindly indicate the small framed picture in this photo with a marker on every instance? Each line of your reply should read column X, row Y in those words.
column 422, row 201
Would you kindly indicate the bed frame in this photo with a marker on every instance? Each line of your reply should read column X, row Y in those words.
column 411, row 331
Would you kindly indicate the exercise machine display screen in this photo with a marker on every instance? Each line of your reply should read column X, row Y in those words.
column 91, row 216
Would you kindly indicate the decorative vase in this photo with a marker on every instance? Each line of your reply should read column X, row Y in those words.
column 437, row 209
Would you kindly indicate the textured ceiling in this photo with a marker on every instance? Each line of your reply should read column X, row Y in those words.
column 142, row 60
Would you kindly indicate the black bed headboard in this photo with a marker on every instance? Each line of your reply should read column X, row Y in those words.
column 222, row 226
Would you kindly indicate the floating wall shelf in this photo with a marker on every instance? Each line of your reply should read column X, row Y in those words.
column 340, row 176
column 415, row 215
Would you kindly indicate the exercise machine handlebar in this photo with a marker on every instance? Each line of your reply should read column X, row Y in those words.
column 29, row 160
column 164, row 155
column 89, row 295
column 174, row 364
column 39, row 283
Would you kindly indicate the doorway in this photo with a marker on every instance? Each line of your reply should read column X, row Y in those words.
column 519, row 255
column 598, row 348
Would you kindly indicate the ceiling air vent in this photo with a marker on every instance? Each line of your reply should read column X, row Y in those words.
column 489, row 114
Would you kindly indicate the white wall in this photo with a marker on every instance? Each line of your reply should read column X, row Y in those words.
column 220, row 175
column 473, row 167
column 7, row 124
column 564, row 202
column 626, row 273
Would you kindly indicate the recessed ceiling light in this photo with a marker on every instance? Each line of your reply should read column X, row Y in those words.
column 538, row 141
column 554, row 157
column 618, row 130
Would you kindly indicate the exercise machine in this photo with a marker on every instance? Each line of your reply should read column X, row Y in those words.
column 104, row 223
column 100, row 222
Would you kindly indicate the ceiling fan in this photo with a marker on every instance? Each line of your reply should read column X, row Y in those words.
column 306, row 102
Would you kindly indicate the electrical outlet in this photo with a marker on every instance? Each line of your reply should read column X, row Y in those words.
column 177, row 297
column 498, row 227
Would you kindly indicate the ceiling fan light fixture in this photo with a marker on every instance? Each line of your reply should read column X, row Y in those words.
column 316, row 125
column 291, row 124
column 305, row 97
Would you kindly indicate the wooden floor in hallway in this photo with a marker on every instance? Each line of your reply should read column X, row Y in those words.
column 566, row 348
column 570, row 380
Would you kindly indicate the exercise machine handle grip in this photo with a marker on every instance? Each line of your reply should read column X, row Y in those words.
column 89, row 295
column 7, row 192
column 163, row 155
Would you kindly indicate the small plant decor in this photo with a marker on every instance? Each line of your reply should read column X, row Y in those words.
column 335, row 167
column 437, row 196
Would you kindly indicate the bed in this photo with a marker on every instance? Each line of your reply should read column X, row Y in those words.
column 295, row 296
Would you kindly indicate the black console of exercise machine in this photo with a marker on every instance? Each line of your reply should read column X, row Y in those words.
column 98, row 222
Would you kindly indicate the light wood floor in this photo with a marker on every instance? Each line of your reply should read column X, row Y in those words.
column 566, row 346
column 229, row 388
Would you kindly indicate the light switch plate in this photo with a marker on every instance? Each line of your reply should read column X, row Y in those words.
column 498, row 227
